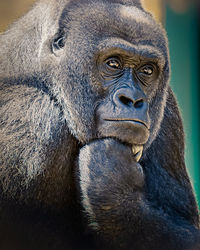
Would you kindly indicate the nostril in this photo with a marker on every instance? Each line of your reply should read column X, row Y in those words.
column 139, row 103
column 126, row 101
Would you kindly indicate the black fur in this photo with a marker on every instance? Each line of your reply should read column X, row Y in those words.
column 67, row 179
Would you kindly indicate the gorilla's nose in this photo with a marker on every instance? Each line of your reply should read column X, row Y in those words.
column 128, row 98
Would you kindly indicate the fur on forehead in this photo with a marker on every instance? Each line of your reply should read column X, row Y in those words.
column 77, row 3
column 128, row 22
column 98, row 8
column 136, row 3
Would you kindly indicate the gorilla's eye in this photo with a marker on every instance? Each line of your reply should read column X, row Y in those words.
column 114, row 63
column 147, row 70
column 147, row 73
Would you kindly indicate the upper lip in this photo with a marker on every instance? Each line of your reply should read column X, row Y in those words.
column 128, row 119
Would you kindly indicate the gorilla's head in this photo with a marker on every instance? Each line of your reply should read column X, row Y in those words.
column 112, row 69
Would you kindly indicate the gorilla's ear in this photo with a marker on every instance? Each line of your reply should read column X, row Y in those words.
column 58, row 43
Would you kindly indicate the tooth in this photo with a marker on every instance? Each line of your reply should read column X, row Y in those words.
column 137, row 151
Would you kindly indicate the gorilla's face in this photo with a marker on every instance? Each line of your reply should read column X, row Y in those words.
column 123, row 113
column 120, row 73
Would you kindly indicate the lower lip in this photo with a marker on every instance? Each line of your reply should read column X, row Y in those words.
column 128, row 121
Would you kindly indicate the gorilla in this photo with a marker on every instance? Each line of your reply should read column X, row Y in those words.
column 92, row 143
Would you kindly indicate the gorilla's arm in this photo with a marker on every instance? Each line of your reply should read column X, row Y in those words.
column 31, row 143
column 136, row 207
column 166, row 179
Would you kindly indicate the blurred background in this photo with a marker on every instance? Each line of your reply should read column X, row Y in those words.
column 181, row 19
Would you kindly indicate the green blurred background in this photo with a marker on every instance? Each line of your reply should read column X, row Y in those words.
column 183, row 31
column 181, row 20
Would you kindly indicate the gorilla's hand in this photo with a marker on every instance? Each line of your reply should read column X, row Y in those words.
column 108, row 170
column 110, row 179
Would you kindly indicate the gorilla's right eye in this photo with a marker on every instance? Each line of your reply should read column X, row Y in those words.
column 114, row 64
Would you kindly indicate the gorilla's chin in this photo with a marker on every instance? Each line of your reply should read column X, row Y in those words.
column 125, row 131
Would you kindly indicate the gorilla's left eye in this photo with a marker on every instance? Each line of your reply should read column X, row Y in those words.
column 147, row 73
column 147, row 70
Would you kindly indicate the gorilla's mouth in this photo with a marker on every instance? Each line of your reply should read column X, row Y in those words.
column 134, row 121
column 131, row 131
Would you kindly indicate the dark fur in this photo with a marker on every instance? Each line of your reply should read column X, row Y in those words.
column 48, row 102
